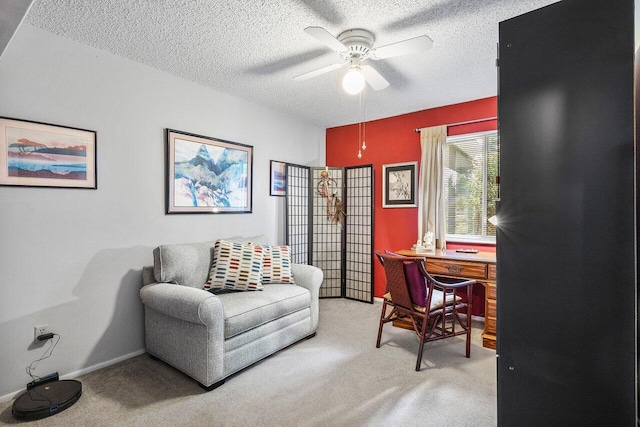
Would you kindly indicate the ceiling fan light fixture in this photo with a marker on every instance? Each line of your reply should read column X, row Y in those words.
column 353, row 81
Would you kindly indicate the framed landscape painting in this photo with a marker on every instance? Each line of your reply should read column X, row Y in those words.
column 34, row 154
column 207, row 175
column 399, row 183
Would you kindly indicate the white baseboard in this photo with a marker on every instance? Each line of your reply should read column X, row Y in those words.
column 101, row 365
column 76, row 374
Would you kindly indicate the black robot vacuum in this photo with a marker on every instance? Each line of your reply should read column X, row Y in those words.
column 44, row 400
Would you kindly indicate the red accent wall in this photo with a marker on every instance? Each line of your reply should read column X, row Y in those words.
column 394, row 140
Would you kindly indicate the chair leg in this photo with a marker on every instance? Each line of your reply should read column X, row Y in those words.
column 422, row 339
column 384, row 310
column 468, row 322
column 419, row 362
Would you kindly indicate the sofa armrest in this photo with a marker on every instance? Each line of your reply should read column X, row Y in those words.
column 182, row 302
column 309, row 277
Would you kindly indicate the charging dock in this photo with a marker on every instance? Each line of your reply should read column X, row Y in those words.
column 46, row 397
column 43, row 380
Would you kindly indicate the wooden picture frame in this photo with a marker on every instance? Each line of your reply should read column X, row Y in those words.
column 399, row 185
column 207, row 175
column 277, row 178
column 35, row 154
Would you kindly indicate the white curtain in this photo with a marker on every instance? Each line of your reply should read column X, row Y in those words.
column 431, row 212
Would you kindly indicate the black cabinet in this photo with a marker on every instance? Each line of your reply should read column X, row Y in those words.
column 566, row 241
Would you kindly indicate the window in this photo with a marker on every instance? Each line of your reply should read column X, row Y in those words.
column 471, row 192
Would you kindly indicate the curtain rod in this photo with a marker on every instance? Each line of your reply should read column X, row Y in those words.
column 467, row 122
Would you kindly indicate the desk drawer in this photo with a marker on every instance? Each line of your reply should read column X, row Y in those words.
column 492, row 272
column 490, row 317
column 490, row 325
column 491, row 308
column 469, row 270
column 491, row 290
column 489, row 341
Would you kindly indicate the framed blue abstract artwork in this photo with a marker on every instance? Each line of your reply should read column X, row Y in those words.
column 207, row 175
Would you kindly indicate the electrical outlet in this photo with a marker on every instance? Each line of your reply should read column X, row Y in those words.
column 39, row 330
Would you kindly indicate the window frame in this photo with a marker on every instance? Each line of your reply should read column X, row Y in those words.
column 480, row 239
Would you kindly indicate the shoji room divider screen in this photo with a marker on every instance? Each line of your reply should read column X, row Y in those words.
column 329, row 224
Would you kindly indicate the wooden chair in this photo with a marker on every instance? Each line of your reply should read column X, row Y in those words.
column 407, row 281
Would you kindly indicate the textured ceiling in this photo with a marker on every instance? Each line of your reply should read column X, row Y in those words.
column 253, row 48
column 11, row 14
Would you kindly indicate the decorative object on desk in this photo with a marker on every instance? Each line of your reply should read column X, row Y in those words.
column 207, row 175
column 428, row 242
column 328, row 188
column 423, row 247
column 34, row 154
column 278, row 178
column 419, row 249
column 399, row 183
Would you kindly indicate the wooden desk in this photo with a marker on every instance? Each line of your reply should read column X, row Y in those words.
column 480, row 266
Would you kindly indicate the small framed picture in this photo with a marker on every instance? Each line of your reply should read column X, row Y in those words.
column 278, row 178
column 34, row 154
column 399, row 184
column 207, row 175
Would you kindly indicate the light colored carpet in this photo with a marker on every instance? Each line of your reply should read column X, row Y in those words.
column 337, row 378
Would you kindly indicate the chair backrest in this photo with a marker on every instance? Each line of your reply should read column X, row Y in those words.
column 398, row 282
column 415, row 278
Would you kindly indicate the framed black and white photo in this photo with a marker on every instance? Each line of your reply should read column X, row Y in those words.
column 399, row 184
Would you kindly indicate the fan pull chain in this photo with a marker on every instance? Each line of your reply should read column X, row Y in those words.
column 361, row 130
column 359, row 137
column 364, row 144
column 363, row 109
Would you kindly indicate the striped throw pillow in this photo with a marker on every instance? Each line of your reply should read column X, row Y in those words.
column 236, row 267
column 276, row 265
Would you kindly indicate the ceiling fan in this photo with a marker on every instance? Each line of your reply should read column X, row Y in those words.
column 354, row 47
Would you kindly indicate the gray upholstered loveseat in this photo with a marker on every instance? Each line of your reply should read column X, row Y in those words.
column 210, row 337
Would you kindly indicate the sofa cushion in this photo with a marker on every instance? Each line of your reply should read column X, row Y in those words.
column 185, row 264
column 260, row 239
column 247, row 310
column 235, row 266
column 436, row 300
column 276, row 265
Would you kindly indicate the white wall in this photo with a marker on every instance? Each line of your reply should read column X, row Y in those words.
column 72, row 258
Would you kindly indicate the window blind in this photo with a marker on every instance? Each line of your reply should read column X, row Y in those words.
column 471, row 167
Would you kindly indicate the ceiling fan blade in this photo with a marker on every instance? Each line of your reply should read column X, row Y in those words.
column 374, row 78
column 323, row 36
column 319, row 71
column 405, row 47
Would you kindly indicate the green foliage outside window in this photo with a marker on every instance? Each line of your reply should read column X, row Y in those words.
column 471, row 191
